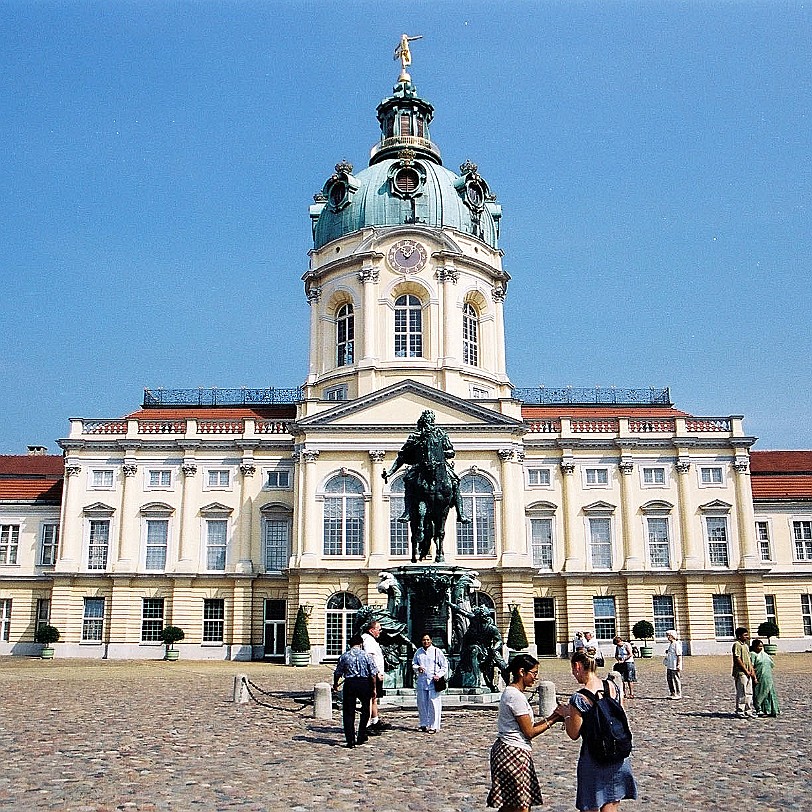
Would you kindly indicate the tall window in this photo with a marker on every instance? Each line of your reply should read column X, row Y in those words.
column 806, row 613
column 541, row 543
column 470, row 335
column 93, row 620
column 664, row 618
column 276, row 543
column 216, row 543
column 49, row 544
column 152, row 619
column 769, row 609
column 718, row 552
column 477, row 538
column 344, row 516
column 763, row 539
column 398, row 531
column 157, row 536
column 341, row 609
column 5, row 619
column 408, row 327
column 9, row 543
column 723, row 615
column 345, row 335
column 214, row 620
column 605, row 617
column 600, row 542
column 802, row 531
column 43, row 612
column 99, row 544
column 658, row 543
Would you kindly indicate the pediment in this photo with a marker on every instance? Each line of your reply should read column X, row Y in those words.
column 157, row 509
column 599, row 507
column 717, row 505
column 400, row 405
column 216, row 509
column 98, row 509
column 657, row 506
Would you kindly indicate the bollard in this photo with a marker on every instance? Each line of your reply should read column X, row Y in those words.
column 323, row 701
column 241, row 689
column 547, row 700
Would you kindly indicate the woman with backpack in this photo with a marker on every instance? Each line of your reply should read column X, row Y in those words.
column 514, row 785
column 595, row 714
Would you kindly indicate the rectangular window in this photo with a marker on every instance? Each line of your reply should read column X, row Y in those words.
column 806, row 614
column 664, row 618
column 538, row 476
column 605, row 625
column 159, row 479
column 214, row 620
column 597, row 477
column 600, row 542
column 718, row 552
column 711, row 475
column 398, row 531
column 278, row 479
column 216, row 539
column 49, row 545
column 541, row 542
column 43, row 612
column 723, row 616
column 218, row 478
column 5, row 620
column 769, row 609
column 99, row 544
column 102, row 479
column 658, row 543
column 152, row 620
column 93, row 620
column 802, row 532
column 157, row 537
column 9, row 543
column 337, row 393
column 276, row 544
column 654, row 476
column 763, row 539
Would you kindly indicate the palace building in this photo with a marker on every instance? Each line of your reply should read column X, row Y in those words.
column 223, row 511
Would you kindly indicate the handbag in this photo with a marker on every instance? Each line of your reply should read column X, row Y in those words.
column 439, row 684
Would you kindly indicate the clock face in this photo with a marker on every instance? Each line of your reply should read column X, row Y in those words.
column 407, row 256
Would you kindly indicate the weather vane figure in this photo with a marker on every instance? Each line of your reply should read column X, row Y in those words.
column 403, row 53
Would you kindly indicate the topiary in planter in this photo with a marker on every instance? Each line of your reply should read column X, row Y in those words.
column 47, row 635
column 643, row 630
column 769, row 629
column 171, row 635
column 516, row 639
column 300, row 644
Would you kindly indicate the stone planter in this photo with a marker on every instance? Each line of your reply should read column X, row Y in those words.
column 646, row 652
column 172, row 654
column 300, row 659
column 47, row 653
column 771, row 649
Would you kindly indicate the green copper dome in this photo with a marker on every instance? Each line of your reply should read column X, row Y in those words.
column 405, row 182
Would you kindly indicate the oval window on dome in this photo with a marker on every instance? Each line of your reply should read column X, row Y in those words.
column 407, row 180
column 338, row 194
column 475, row 195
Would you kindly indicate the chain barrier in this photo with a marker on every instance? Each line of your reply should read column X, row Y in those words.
column 303, row 702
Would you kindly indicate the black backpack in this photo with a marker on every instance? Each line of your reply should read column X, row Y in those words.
column 605, row 728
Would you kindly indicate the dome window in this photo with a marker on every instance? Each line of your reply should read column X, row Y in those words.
column 407, row 177
column 340, row 187
column 407, row 181
column 338, row 195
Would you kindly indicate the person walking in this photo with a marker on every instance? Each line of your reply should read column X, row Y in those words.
column 743, row 674
column 624, row 665
column 599, row 786
column 673, row 665
column 765, row 698
column 373, row 648
column 514, row 784
column 359, row 671
column 429, row 665
column 592, row 647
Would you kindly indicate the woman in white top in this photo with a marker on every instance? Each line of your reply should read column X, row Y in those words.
column 429, row 665
column 514, row 785
column 673, row 665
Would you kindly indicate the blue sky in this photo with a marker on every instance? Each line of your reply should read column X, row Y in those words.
column 652, row 160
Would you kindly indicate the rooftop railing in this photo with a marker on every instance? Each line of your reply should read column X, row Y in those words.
column 576, row 395
column 157, row 398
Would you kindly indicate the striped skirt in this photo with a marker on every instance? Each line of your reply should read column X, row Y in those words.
column 513, row 777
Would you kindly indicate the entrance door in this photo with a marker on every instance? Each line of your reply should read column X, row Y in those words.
column 274, row 637
column 544, row 625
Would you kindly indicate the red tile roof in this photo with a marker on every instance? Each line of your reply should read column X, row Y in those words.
column 781, row 462
column 781, row 475
column 31, row 464
column 31, row 478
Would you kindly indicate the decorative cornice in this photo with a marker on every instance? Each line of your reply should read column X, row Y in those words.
column 313, row 294
column 505, row 454
column 567, row 467
column 366, row 275
column 308, row 455
column 448, row 275
column 498, row 294
column 72, row 469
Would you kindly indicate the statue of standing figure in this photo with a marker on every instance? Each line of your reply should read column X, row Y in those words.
column 481, row 650
column 431, row 486
column 404, row 54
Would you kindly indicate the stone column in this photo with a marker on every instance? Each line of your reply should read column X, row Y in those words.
column 633, row 556
column 71, row 526
column 306, row 502
column 188, row 528
column 129, row 534
column 498, row 296
column 449, row 352
column 316, row 349
column 745, row 517
column 378, row 524
column 514, row 534
column 244, row 563
column 573, row 561
column 368, row 353
column 691, row 554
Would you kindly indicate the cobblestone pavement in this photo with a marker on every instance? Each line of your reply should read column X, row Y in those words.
column 92, row 736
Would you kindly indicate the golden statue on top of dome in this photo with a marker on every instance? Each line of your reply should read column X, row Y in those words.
column 403, row 53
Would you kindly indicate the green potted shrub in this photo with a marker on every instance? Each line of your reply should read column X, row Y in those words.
column 643, row 630
column 516, row 638
column 47, row 635
column 300, row 644
column 171, row 635
column 769, row 629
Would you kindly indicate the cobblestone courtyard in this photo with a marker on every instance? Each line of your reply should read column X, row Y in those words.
column 107, row 735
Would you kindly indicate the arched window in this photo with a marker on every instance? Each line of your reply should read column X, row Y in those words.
column 408, row 327
column 345, row 335
column 482, row 599
column 470, row 335
column 398, row 531
column 341, row 609
column 476, row 538
column 344, row 516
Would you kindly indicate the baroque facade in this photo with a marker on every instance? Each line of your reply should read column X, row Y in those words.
column 223, row 511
